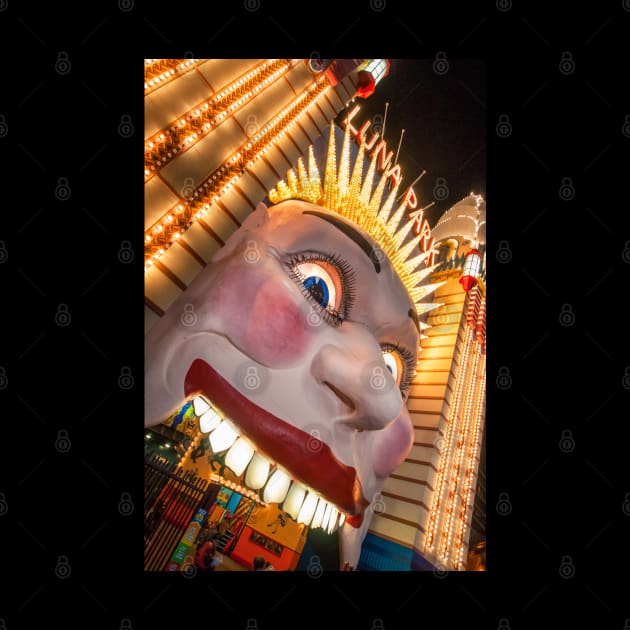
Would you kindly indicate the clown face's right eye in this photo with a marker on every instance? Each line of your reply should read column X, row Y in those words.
column 326, row 281
column 322, row 282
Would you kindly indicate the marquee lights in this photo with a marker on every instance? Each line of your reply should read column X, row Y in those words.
column 246, row 492
column 195, row 124
column 454, row 494
column 162, row 234
column 472, row 466
column 441, row 485
column 452, row 503
column 158, row 72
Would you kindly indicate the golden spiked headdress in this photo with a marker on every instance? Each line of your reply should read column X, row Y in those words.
column 352, row 197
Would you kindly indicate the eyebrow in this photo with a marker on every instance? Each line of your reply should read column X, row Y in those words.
column 351, row 233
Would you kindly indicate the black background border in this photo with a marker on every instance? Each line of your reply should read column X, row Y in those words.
column 552, row 316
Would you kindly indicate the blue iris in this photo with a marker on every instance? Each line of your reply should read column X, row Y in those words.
column 318, row 289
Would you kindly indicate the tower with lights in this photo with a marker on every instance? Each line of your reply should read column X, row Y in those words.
column 433, row 504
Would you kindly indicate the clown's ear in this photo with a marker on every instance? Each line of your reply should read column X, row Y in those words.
column 255, row 220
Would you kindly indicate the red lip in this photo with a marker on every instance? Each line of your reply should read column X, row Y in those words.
column 307, row 459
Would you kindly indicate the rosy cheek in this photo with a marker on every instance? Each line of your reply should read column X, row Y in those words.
column 262, row 316
column 279, row 331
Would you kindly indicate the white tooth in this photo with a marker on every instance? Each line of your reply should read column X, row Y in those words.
column 239, row 456
column 223, row 437
column 257, row 472
column 327, row 514
column 294, row 500
column 319, row 514
column 277, row 487
column 200, row 406
column 209, row 420
column 308, row 509
column 342, row 518
column 332, row 522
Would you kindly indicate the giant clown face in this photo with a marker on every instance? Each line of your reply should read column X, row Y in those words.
column 304, row 337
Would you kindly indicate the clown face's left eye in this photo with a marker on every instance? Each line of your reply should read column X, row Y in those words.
column 394, row 365
column 326, row 281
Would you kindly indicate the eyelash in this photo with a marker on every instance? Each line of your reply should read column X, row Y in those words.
column 346, row 278
column 410, row 366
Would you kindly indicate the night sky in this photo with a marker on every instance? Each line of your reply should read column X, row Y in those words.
column 444, row 118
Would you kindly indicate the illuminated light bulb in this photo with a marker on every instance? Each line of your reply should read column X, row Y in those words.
column 147, row 172
column 147, row 238
column 277, row 487
column 239, row 455
column 257, row 472
column 161, row 136
column 295, row 498
column 223, row 437
column 149, row 263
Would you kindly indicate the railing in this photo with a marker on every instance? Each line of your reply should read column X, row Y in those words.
column 170, row 500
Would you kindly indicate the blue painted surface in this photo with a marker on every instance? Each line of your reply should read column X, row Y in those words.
column 379, row 554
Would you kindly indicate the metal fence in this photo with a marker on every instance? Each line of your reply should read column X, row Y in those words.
column 171, row 497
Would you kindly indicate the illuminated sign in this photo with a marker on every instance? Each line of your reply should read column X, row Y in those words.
column 377, row 146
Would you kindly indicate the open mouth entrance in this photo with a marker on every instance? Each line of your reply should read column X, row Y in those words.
column 236, row 462
column 230, row 469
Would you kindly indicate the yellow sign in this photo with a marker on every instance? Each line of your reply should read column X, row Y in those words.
column 273, row 523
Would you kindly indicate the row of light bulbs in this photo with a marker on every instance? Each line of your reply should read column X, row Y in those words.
column 161, row 71
column 167, row 230
column 184, row 133
column 473, row 463
column 447, row 451
column 453, row 471
column 475, row 310
column 446, row 549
